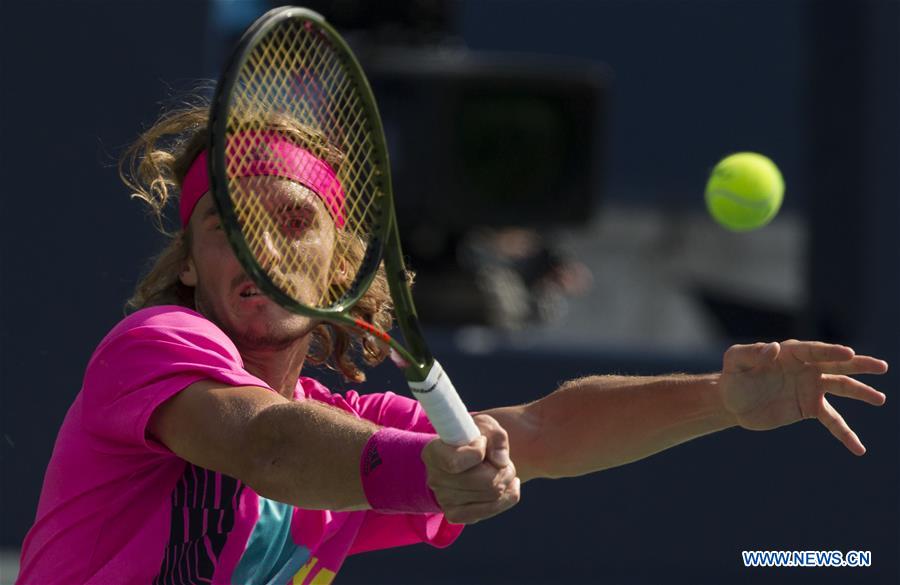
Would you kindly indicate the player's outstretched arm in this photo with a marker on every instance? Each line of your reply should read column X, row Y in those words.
column 599, row 422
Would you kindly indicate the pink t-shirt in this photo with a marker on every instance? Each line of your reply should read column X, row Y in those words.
column 118, row 507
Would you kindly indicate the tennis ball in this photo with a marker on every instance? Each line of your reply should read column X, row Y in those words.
column 744, row 191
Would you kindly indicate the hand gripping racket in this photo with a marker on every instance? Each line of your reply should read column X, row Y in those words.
column 294, row 103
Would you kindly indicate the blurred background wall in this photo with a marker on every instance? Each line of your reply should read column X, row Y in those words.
column 595, row 126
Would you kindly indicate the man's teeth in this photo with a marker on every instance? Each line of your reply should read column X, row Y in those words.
column 250, row 292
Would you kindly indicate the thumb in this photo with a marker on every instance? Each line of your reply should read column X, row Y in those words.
column 498, row 448
column 740, row 358
column 451, row 459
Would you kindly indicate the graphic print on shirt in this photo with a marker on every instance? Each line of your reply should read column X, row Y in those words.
column 203, row 509
column 271, row 556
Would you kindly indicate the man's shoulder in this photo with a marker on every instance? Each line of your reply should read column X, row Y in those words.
column 167, row 322
column 163, row 316
column 162, row 339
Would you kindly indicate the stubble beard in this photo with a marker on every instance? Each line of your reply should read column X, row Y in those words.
column 275, row 336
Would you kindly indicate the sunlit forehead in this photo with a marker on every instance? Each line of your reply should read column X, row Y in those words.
column 276, row 195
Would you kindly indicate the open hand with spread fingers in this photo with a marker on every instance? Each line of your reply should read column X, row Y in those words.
column 769, row 385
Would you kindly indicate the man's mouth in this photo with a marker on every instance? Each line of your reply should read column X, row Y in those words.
column 249, row 291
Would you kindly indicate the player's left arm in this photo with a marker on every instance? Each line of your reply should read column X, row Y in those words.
column 599, row 422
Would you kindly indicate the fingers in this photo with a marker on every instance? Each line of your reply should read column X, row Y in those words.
column 850, row 388
column 493, row 445
column 834, row 359
column 486, row 483
column 476, row 493
column 836, row 362
column 829, row 358
column 453, row 460
column 816, row 351
column 835, row 423
column 860, row 364
column 472, row 513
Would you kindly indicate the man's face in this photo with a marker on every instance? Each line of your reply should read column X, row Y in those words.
column 294, row 243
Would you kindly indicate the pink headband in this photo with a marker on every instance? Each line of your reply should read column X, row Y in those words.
column 256, row 154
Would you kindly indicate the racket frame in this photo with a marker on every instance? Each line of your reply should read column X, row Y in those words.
column 416, row 359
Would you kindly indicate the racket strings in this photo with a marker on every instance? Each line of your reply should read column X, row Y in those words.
column 295, row 84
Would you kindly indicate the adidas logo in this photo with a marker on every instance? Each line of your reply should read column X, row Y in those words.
column 373, row 460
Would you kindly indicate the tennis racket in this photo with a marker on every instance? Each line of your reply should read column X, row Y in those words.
column 293, row 103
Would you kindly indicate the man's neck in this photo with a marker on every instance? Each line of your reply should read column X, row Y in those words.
column 278, row 368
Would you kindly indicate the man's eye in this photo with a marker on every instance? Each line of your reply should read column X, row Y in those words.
column 295, row 223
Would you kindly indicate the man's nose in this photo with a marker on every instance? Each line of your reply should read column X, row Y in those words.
column 268, row 253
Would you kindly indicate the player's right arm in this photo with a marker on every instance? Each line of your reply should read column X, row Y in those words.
column 307, row 453
column 303, row 453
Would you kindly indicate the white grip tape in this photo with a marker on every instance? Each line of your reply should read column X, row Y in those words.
column 445, row 409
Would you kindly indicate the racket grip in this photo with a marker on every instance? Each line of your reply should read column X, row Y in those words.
column 445, row 409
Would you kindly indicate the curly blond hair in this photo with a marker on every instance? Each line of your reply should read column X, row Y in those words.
column 153, row 168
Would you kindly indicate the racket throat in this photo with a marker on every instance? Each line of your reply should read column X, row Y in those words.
column 399, row 361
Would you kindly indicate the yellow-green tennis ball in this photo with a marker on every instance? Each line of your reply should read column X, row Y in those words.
column 744, row 191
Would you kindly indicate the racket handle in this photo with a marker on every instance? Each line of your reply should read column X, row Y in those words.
column 444, row 407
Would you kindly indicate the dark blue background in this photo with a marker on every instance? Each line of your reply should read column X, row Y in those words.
column 813, row 84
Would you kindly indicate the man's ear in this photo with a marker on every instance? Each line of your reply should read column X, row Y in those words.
column 188, row 274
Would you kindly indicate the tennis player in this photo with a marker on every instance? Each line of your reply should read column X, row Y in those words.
column 198, row 452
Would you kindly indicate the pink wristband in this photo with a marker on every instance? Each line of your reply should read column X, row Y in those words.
column 393, row 473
